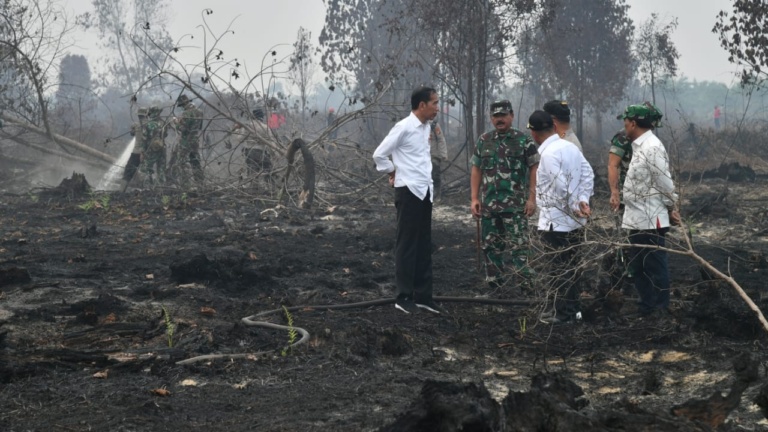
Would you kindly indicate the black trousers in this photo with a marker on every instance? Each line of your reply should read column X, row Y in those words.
column 651, row 268
column 563, row 269
column 413, row 247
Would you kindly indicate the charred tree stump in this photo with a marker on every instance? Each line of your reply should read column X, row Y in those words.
column 715, row 410
column 73, row 187
column 14, row 275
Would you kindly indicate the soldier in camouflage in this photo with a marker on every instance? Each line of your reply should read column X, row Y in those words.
column 503, row 185
column 137, row 130
column 153, row 146
column 189, row 126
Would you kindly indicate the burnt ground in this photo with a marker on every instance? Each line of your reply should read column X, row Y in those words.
column 90, row 287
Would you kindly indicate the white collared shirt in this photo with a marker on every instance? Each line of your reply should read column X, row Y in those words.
column 648, row 189
column 564, row 179
column 408, row 144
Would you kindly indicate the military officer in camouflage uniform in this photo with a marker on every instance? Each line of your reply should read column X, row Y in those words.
column 153, row 146
column 619, row 157
column 503, row 185
column 189, row 126
column 137, row 130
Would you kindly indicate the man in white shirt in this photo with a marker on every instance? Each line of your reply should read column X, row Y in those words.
column 564, row 182
column 410, row 172
column 649, row 206
column 561, row 116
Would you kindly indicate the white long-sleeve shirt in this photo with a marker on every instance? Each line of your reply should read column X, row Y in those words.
column 408, row 144
column 564, row 179
column 648, row 188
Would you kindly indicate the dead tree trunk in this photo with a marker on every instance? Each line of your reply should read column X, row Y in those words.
column 61, row 139
column 307, row 194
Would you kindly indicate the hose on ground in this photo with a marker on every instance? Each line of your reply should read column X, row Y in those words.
column 252, row 322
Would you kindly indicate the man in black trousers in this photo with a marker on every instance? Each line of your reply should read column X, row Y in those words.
column 410, row 172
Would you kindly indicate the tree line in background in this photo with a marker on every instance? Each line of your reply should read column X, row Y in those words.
column 588, row 52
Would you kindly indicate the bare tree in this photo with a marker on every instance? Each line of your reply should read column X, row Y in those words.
column 135, row 32
column 587, row 46
column 655, row 52
column 33, row 38
column 302, row 68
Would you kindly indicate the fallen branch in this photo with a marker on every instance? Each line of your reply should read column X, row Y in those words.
column 60, row 139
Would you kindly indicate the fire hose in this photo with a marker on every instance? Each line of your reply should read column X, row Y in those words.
column 253, row 322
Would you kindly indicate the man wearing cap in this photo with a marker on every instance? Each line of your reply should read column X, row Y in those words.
column 410, row 173
column 561, row 116
column 503, row 186
column 649, row 206
column 439, row 151
column 189, row 126
column 564, row 184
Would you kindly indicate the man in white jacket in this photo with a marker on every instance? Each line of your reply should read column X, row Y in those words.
column 649, row 207
column 564, row 182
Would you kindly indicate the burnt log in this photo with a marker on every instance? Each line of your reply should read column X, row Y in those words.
column 714, row 410
column 450, row 407
column 14, row 275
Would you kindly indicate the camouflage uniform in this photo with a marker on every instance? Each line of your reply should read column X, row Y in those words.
column 621, row 146
column 137, row 130
column 505, row 161
column 190, row 125
column 153, row 147
column 439, row 152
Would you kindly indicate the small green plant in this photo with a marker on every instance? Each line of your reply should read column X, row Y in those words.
column 88, row 205
column 104, row 200
column 170, row 327
column 34, row 198
column 292, row 333
column 184, row 198
column 95, row 202
column 523, row 326
column 166, row 200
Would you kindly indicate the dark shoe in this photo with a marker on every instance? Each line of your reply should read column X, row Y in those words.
column 406, row 305
column 431, row 306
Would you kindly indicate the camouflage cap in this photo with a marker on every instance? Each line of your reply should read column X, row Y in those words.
column 540, row 120
column 154, row 111
column 645, row 111
column 142, row 112
column 558, row 109
column 502, row 107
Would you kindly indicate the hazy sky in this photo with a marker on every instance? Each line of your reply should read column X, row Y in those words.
column 261, row 24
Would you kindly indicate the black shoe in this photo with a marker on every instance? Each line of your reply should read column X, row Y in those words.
column 431, row 306
column 406, row 305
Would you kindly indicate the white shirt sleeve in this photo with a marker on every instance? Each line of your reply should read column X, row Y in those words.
column 663, row 178
column 587, row 181
column 386, row 148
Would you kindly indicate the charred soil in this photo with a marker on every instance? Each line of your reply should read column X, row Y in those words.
column 101, row 298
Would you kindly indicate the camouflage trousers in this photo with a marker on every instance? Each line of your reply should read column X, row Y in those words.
column 505, row 238
column 154, row 162
column 178, row 168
